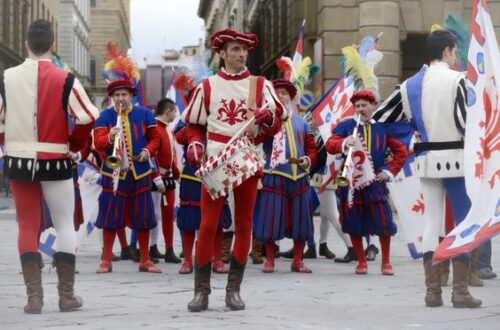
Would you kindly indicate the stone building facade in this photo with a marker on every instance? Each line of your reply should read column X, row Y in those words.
column 74, row 37
column 15, row 17
column 333, row 24
column 110, row 21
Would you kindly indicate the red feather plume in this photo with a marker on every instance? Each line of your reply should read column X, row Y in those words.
column 284, row 66
column 122, row 63
column 184, row 83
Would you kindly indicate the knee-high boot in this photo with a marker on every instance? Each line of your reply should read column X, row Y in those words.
column 65, row 265
column 432, row 282
column 474, row 279
column 201, row 288
column 460, row 296
column 31, row 263
column 233, row 298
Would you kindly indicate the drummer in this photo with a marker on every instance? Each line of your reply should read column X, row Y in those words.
column 221, row 105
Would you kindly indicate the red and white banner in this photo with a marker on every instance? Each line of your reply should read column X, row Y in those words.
column 482, row 140
column 408, row 199
column 359, row 168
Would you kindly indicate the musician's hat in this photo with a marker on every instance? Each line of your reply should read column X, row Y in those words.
column 363, row 95
column 121, row 84
column 288, row 85
column 221, row 37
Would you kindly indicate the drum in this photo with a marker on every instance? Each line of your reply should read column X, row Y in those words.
column 231, row 166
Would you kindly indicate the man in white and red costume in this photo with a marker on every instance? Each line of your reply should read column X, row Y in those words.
column 35, row 99
column 218, row 109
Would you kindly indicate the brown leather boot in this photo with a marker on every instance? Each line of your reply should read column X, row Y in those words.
column 227, row 242
column 170, row 256
column 201, row 288
column 432, row 282
column 65, row 265
column 233, row 298
column 444, row 268
column 31, row 263
column 460, row 296
column 474, row 279
column 155, row 253
column 257, row 252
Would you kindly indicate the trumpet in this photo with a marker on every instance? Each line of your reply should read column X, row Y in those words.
column 343, row 180
column 114, row 160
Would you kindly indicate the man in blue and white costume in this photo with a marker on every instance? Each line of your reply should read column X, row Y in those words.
column 434, row 101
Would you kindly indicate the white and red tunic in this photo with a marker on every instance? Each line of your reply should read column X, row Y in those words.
column 220, row 103
column 36, row 98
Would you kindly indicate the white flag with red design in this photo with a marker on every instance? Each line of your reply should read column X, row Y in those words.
column 278, row 154
column 482, row 140
column 359, row 169
column 408, row 199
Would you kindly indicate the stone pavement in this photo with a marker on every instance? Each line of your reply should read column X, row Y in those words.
column 332, row 297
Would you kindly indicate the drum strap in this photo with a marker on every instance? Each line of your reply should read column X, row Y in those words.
column 252, row 102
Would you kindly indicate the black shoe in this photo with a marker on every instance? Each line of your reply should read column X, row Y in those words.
column 310, row 253
column 155, row 253
column 154, row 260
column 114, row 257
column 324, row 251
column 287, row 254
column 371, row 252
column 126, row 253
column 350, row 256
column 277, row 252
column 181, row 255
column 170, row 257
column 134, row 252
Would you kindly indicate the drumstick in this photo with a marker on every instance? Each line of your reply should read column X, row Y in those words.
column 248, row 123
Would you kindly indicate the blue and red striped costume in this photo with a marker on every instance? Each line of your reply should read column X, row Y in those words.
column 371, row 213
column 132, row 205
column 285, row 204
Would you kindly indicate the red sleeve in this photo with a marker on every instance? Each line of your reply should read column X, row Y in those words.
column 153, row 140
column 196, row 133
column 79, row 136
column 181, row 136
column 334, row 144
column 310, row 149
column 101, row 139
column 400, row 154
column 268, row 132
column 2, row 138
column 86, row 149
column 176, row 173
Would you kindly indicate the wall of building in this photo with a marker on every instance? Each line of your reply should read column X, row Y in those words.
column 15, row 17
column 74, row 37
column 110, row 22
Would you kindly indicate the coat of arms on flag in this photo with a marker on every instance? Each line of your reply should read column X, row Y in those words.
column 482, row 140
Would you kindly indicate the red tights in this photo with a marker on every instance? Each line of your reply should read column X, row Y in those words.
column 167, row 217
column 109, row 239
column 244, row 198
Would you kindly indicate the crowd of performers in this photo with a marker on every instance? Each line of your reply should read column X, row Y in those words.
column 274, row 202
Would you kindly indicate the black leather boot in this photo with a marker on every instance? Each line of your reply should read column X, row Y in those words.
column 201, row 288
column 324, row 251
column 233, row 298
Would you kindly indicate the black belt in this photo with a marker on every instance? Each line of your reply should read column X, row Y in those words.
column 427, row 146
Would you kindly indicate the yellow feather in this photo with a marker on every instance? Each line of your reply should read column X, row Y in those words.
column 436, row 27
column 302, row 74
column 357, row 69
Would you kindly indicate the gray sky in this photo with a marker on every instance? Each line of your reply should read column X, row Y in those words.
column 160, row 24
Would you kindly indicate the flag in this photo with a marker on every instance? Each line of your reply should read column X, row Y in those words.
column 297, row 56
column 408, row 199
column 482, row 140
column 358, row 168
column 278, row 154
column 334, row 106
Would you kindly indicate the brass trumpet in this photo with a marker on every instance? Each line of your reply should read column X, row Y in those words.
column 114, row 160
column 343, row 180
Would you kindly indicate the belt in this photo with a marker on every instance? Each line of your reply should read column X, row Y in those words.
column 427, row 146
column 218, row 137
column 58, row 148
